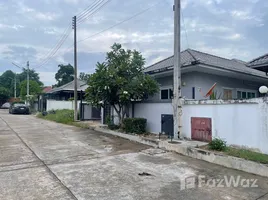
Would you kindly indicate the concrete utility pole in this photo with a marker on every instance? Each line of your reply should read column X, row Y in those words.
column 28, row 87
column 177, row 100
column 75, row 70
column 15, row 86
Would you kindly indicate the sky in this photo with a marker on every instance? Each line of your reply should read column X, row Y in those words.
column 30, row 29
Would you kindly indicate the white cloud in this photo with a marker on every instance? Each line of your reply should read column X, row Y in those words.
column 46, row 16
column 235, row 36
column 15, row 26
column 245, row 15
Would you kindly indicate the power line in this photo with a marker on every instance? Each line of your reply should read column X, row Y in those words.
column 93, row 12
column 83, row 16
column 56, row 47
column 117, row 24
column 88, row 9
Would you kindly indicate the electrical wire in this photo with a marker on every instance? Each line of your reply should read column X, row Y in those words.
column 93, row 12
column 88, row 9
column 82, row 17
column 56, row 47
column 117, row 24
column 113, row 26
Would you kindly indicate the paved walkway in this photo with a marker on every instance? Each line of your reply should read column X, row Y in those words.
column 44, row 160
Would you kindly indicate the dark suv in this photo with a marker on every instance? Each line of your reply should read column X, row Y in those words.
column 19, row 108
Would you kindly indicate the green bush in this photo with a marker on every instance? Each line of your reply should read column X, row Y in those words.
column 217, row 144
column 135, row 125
column 113, row 126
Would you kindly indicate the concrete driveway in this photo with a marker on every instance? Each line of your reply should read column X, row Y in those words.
column 44, row 160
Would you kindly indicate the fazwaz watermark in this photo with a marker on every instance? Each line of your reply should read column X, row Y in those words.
column 226, row 181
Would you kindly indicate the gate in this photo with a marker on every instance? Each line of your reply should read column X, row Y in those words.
column 201, row 129
column 167, row 126
column 89, row 113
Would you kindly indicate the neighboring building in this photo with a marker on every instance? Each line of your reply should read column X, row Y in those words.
column 66, row 92
column 47, row 89
column 62, row 98
column 260, row 63
column 233, row 78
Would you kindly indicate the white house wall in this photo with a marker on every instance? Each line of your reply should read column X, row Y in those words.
column 243, row 124
column 204, row 81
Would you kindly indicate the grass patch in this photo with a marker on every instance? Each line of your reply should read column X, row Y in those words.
column 248, row 155
column 241, row 153
column 64, row 116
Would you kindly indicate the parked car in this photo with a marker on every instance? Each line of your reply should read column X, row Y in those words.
column 5, row 105
column 19, row 109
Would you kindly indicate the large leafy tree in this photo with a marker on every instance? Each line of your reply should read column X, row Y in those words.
column 64, row 75
column 120, row 80
column 4, row 94
column 33, row 75
column 7, row 81
column 34, row 88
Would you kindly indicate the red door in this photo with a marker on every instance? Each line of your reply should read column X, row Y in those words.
column 201, row 129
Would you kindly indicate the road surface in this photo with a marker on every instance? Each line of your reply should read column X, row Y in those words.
column 45, row 160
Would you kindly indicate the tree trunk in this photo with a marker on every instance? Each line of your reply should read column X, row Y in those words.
column 119, row 114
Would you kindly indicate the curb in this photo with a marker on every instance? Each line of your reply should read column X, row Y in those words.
column 219, row 159
column 208, row 156
column 134, row 138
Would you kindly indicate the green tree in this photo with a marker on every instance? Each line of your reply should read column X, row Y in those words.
column 33, row 75
column 7, row 81
column 34, row 88
column 83, row 76
column 64, row 75
column 4, row 94
column 119, row 80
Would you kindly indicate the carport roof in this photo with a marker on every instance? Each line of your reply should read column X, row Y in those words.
column 81, row 85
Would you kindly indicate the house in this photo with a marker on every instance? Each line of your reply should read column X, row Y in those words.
column 66, row 92
column 63, row 98
column 237, row 116
column 260, row 63
column 234, row 79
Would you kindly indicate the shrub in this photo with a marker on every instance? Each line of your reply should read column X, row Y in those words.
column 217, row 144
column 113, row 126
column 135, row 125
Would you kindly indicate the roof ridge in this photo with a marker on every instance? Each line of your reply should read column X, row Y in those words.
column 189, row 51
column 215, row 56
column 165, row 59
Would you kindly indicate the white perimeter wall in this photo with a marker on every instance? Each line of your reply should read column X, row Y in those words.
column 58, row 105
column 242, row 123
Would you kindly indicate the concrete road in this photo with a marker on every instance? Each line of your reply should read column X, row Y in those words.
column 44, row 160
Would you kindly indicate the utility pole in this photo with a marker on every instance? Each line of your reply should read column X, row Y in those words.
column 75, row 70
column 15, row 86
column 28, row 87
column 177, row 100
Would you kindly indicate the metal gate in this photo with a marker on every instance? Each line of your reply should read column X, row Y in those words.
column 201, row 129
column 167, row 126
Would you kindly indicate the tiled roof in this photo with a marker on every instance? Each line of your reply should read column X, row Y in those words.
column 259, row 61
column 188, row 56
column 81, row 85
column 47, row 89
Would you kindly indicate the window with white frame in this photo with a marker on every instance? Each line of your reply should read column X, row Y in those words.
column 245, row 94
column 166, row 94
